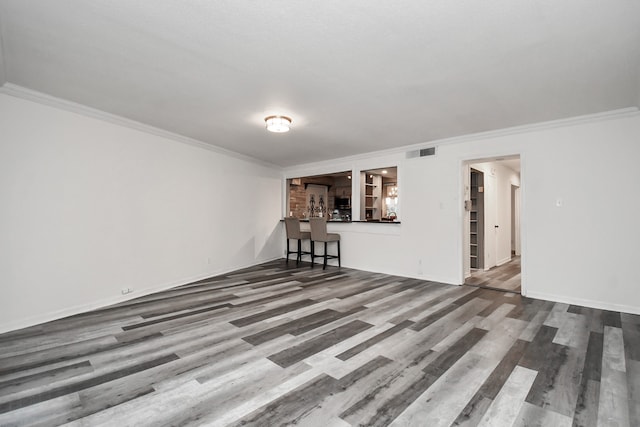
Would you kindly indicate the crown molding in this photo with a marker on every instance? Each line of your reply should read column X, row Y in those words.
column 52, row 101
column 540, row 126
column 42, row 98
column 534, row 127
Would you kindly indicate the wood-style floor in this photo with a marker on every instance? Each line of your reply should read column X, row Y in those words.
column 505, row 277
column 275, row 345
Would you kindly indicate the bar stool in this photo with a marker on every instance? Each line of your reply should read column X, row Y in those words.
column 293, row 232
column 319, row 234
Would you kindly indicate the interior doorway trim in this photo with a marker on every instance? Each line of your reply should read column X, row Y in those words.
column 464, row 163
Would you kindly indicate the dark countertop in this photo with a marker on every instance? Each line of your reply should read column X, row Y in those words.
column 355, row 221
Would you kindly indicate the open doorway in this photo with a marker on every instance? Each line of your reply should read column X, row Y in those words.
column 492, row 257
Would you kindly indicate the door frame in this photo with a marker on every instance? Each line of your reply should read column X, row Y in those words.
column 515, row 218
column 463, row 167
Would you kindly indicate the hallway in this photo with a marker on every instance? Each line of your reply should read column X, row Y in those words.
column 505, row 277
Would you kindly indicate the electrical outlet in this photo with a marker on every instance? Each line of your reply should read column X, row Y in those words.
column 126, row 291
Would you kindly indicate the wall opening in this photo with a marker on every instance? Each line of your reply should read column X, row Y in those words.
column 491, row 230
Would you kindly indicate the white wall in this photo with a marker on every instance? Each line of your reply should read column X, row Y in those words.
column 584, row 252
column 89, row 207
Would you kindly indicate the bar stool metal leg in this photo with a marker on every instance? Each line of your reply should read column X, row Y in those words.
column 324, row 264
column 312, row 253
column 287, row 250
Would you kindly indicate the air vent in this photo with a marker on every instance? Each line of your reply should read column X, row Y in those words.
column 428, row 151
column 422, row 152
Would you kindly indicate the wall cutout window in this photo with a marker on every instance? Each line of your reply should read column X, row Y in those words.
column 327, row 196
column 379, row 194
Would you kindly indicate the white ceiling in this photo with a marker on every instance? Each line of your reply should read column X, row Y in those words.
column 355, row 76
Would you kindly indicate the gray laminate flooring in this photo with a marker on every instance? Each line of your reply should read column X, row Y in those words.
column 505, row 277
column 277, row 345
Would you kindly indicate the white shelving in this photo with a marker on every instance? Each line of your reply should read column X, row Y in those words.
column 371, row 197
column 476, row 220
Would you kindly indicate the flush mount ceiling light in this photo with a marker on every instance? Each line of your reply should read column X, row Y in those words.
column 277, row 124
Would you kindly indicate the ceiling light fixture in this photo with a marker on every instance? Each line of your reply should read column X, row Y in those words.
column 278, row 124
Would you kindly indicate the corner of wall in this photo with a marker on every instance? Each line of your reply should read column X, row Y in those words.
column 3, row 72
column 638, row 97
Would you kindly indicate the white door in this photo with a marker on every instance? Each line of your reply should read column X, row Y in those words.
column 516, row 205
column 491, row 228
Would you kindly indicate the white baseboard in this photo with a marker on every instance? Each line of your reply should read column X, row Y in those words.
column 503, row 261
column 426, row 277
column 420, row 276
column 83, row 308
column 584, row 302
column 93, row 305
